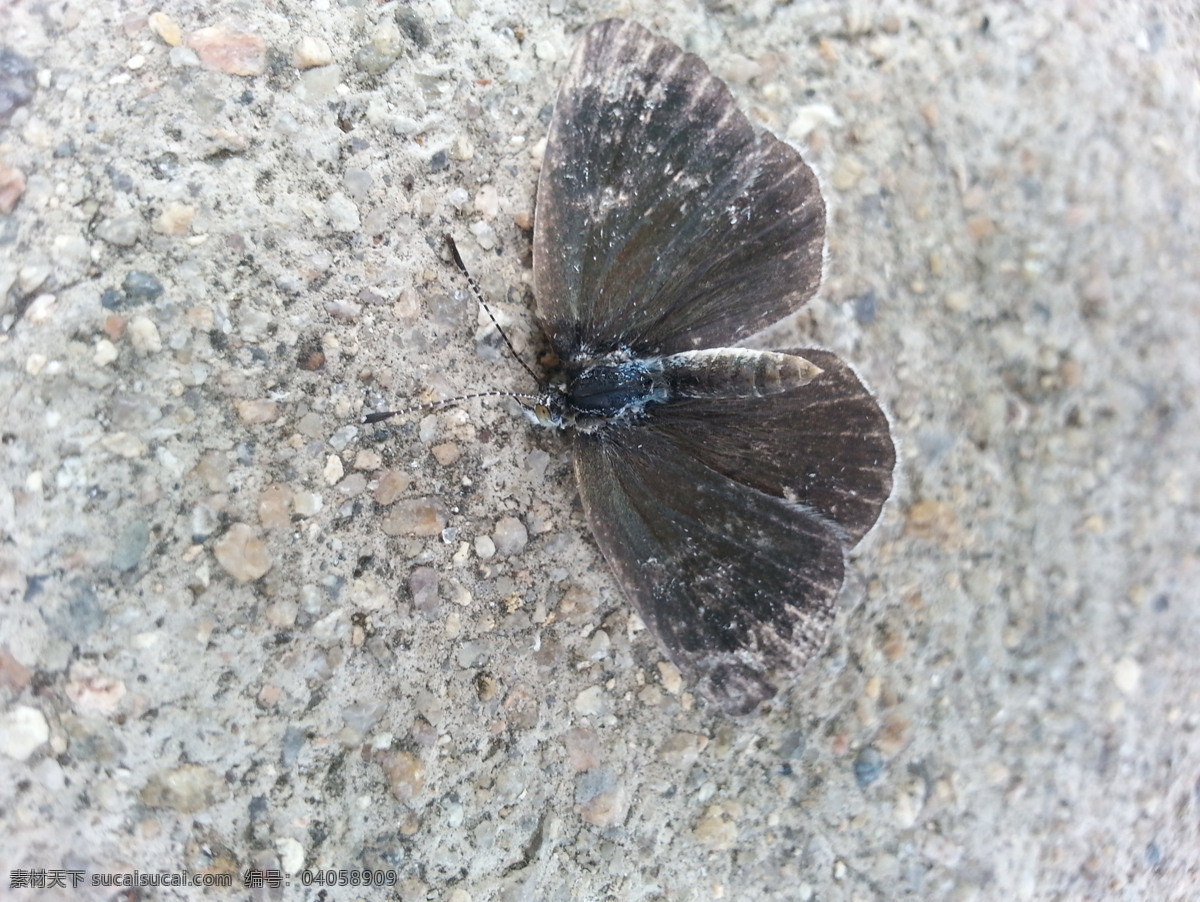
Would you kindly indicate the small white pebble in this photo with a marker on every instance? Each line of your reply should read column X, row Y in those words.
column 183, row 58
column 1127, row 675
column 143, row 335
column 306, row 504
column 22, row 730
column 334, row 470
column 311, row 52
column 41, row 309
column 106, row 352
column 461, row 148
column 487, row 202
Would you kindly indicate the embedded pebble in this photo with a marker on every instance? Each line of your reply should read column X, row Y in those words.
column 932, row 519
column 342, row 212
column 317, row 84
column 598, row 646
column 224, row 49
column 14, row 675
column 131, row 544
column 354, row 484
column 189, row 789
column 368, row 459
column 18, row 80
column 473, row 653
column 114, row 326
column 458, row 593
column 591, row 702
column 577, row 603
column 93, row 692
column 183, row 58
column 392, row 484
column 342, row 437
column 357, row 182
column 175, row 219
column 22, row 730
column 671, row 677
column 415, row 517
column 462, row 149
column 204, row 521
column 124, row 444
column 166, row 29
column 143, row 335
column 282, row 614
column 487, row 202
column 446, row 453
column 242, row 554
column 41, row 309
column 121, row 231
column 12, row 187
column 583, row 748
column 134, row 410
column 423, row 586
column 311, row 52
column 868, row 765
column 307, row 504
column 362, row 716
column 291, row 855
column 32, row 276
column 195, row 374
column 274, row 507
column 682, row 750
column 1127, row 675
column 257, row 411
column 485, row 548
column 510, row 536
column 405, row 774
column 458, row 197
column 141, row 287
column 717, row 828
column 346, row 311
column 485, row 235
column 334, row 470
column 384, row 49
column 413, row 26
column 608, row 808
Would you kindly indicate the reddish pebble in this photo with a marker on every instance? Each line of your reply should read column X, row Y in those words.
column 224, row 49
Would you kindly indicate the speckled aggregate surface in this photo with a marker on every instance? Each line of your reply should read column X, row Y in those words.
column 238, row 629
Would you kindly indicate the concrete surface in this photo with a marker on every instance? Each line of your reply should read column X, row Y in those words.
column 239, row 630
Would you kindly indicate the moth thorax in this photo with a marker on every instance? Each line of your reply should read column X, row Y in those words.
column 735, row 373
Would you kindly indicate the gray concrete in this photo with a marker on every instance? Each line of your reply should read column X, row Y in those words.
column 1009, row 701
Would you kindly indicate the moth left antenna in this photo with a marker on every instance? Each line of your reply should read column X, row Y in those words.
column 478, row 292
column 381, row 415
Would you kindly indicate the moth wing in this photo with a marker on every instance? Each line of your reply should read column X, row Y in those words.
column 737, row 585
column 664, row 223
column 827, row 444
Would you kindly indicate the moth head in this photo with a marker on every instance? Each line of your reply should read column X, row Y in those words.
column 549, row 409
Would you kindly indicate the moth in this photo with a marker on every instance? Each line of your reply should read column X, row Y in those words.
column 723, row 484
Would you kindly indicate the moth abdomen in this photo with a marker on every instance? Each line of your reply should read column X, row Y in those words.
column 735, row 373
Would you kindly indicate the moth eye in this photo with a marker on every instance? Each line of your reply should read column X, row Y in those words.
column 542, row 412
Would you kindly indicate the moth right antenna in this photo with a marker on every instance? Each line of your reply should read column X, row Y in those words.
column 478, row 292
